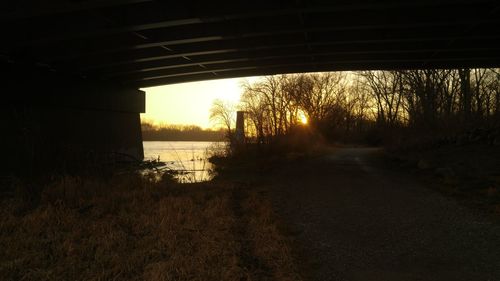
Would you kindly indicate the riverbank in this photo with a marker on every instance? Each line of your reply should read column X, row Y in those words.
column 135, row 228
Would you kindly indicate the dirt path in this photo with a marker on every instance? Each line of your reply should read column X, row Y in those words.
column 357, row 220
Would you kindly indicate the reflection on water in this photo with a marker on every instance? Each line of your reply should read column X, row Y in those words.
column 187, row 157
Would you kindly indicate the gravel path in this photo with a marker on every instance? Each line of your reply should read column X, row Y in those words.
column 357, row 220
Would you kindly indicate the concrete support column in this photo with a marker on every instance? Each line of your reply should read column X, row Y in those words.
column 61, row 130
column 240, row 127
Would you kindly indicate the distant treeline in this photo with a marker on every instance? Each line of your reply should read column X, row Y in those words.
column 163, row 132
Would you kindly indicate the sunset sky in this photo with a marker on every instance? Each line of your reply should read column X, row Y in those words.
column 189, row 103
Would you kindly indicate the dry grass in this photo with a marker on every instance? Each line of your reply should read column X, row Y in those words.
column 268, row 243
column 132, row 228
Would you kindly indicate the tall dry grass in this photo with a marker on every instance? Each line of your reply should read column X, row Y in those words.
column 136, row 228
column 268, row 243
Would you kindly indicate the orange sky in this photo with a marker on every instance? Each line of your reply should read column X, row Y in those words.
column 189, row 103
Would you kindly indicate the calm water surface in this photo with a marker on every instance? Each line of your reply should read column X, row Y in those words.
column 186, row 156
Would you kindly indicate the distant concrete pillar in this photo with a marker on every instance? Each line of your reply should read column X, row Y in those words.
column 240, row 127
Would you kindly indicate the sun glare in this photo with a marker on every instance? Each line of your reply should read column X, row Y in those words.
column 303, row 118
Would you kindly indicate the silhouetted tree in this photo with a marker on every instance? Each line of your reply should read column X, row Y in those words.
column 340, row 104
column 222, row 114
column 386, row 88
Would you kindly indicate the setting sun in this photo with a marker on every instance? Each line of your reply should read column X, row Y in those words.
column 303, row 118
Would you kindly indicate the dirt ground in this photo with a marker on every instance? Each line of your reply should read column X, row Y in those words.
column 354, row 218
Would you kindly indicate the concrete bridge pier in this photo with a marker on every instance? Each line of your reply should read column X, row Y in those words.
column 62, row 128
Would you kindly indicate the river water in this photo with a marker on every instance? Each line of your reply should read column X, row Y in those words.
column 188, row 157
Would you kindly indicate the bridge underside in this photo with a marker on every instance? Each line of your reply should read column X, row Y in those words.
column 141, row 43
column 78, row 64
